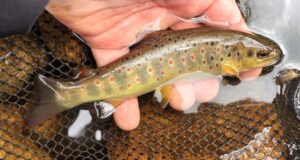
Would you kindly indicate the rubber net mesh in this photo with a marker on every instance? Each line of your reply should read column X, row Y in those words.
column 242, row 130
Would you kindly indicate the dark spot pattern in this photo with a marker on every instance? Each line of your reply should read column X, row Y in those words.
column 250, row 53
column 111, row 79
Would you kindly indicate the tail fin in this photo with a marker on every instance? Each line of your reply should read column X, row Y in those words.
column 45, row 105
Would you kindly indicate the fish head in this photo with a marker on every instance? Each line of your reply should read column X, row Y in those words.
column 255, row 52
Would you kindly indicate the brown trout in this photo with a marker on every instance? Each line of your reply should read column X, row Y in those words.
column 158, row 61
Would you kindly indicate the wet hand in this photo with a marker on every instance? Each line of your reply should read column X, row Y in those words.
column 111, row 26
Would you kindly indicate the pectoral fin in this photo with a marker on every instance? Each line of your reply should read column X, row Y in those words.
column 163, row 95
column 230, row 70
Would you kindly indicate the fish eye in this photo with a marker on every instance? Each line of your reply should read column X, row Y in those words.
column 262, row 54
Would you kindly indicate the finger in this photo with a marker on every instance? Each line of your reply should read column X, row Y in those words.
column 127, row 115
column 105, row 56
column 227, row 11
column 251, row 74
column 184, row 25
column 182, row 96
column 126, row 32
column 206, row 89
column 186, row 8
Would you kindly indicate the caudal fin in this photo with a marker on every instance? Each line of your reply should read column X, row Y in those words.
column 45, row 105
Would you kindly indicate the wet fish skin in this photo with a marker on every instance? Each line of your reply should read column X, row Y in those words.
column 158, row 59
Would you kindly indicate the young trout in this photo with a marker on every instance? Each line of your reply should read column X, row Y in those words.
column 159, row 60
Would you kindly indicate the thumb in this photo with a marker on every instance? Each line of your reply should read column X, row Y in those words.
column 106, row 56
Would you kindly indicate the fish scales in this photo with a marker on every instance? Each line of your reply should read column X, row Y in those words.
column 156, row 64
column 164, row 57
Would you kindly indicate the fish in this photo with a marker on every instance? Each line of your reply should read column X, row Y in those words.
column 158, row 61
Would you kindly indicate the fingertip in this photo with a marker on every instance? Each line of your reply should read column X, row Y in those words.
column 227, row 11
column 248, row 75
column 182, row 96
column 206, row 90
column 127, row 115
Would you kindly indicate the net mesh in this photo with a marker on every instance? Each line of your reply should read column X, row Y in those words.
column 243, row 130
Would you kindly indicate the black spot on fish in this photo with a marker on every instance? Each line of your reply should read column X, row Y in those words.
column 194, row 44
column 170, row 39
column 206, row 43
column 250, row 53
column 217, row 65
column 229, row 54
column 238, row 54
column 212, row 58
column 221, row 59
column 212, row 43
column 156, row 45
column 226, row 47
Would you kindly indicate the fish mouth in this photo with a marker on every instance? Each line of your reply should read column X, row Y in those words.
column 273, row 60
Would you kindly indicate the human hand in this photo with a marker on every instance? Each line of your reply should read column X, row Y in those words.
column 111, row 26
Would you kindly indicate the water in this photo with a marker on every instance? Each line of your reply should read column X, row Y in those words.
column 278, row 20
column 267, row 18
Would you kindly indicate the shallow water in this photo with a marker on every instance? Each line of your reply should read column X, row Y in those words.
column 278, row 20
column 214, row 130
column 266, row 18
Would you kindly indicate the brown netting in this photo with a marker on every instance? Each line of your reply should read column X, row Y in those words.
column 243, row 130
